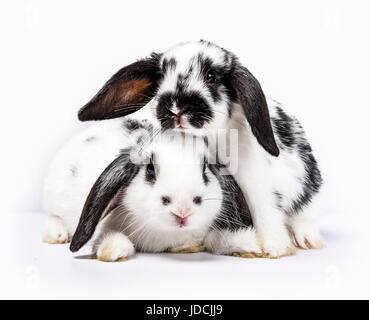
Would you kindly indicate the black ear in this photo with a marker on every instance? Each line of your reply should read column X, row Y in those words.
column 126, row 92
column 235, row 212
column 115, row 178
column 250, row 95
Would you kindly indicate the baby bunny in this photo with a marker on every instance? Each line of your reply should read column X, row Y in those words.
column 164, row 196
column 162, row 193
column 202, row 89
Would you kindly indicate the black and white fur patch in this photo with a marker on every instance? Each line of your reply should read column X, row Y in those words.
column 291, row 137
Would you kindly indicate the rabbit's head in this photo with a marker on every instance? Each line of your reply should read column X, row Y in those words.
column 193, row 87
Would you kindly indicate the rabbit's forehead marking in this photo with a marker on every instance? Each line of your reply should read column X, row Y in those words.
column 184, row 54
column 183, row 66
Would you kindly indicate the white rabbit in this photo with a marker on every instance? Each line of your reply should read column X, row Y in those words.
column 200, row 88
column 160, row 193
column 76, row 167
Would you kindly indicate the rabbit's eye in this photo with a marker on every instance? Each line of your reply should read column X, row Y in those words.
column 210, row 77
column 150, row 171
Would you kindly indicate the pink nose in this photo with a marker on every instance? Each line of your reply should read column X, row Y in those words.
column 181, row 212
column 180, row 121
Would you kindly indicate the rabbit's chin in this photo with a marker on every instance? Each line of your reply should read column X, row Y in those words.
column 172, row 227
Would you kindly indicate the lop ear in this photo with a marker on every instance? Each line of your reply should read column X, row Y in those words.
column 103, row 197
column 250, row 95
column 235, row 211
column 126, row 92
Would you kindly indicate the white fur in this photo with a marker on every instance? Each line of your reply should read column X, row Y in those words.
column 115, row 246
column 146, row 221
column 229, row 242
column 142, row 219
column 185, row 55
column 258, row 173
column 56, row 231
column 304, row 231
column 64, row 193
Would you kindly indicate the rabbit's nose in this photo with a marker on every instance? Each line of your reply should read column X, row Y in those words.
column 182, row 212
column 180, row 121
column 180, row 115
column 181, row 215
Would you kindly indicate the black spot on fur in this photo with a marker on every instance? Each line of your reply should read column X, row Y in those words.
column 283, row 128
column 291, row 137
column 207, row 65
column 73, row 170
column 311, row 182
column 223, row 76
column 278, row 199
column 181, row 83
column 168, row 64
column 132, row 124
column 163, row 113
column 89, row 139
column 205, row 177
column 147, row 128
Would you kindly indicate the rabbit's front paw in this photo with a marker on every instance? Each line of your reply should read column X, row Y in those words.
column 56, row 232
column 115, row 247
column 240, row 243
column 277, row 245
column 304, row 233
column 192, row 246
column 245, row 244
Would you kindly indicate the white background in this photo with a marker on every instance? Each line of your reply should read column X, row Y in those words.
column 310, row 55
